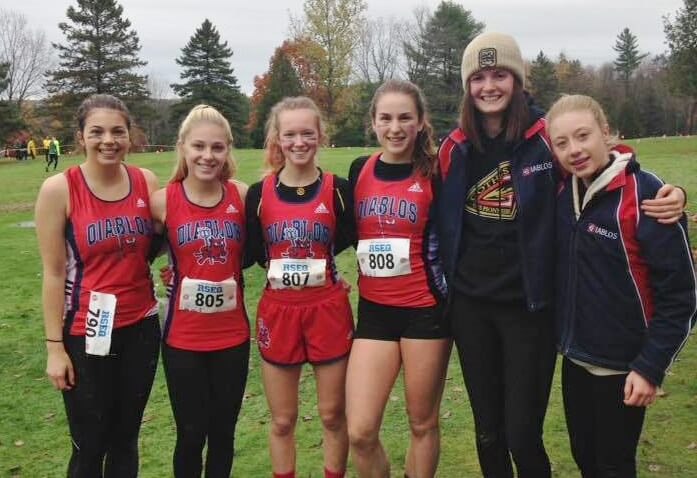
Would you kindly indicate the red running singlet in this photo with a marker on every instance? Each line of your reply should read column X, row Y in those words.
column 299, row 231
column 107, row 243
column 399, row 210
column 205, row 243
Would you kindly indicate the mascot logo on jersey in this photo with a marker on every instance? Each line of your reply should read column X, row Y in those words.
column 263, row 335
column 300, row 247
column 213, row 249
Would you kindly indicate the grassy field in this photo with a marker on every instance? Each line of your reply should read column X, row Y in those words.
column 34, row 440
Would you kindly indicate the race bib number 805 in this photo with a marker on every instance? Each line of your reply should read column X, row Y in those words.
column 208, row 297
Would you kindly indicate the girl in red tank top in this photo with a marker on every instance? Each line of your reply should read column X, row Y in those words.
column 401, row 288
column 206, row 332
column 102, row 334
column 304, row 315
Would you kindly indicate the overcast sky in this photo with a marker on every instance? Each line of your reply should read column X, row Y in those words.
column 583, row 29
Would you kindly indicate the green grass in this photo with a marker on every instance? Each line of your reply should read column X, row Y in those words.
column 34, row 440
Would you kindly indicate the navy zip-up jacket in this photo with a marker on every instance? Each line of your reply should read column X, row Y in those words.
column 626, row 298
column 535, row 178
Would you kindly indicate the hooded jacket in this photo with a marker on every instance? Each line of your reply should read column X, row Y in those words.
column 626, row 298
column 534, row 176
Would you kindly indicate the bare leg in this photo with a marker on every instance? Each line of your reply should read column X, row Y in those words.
column 281, row 389
column 425, row 364
column 331, row 403
column 372, row 370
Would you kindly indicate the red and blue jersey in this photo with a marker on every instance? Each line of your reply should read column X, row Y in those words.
column 300, row 230
column 397, row 209
column 626, row 295
column 205, row 243
column 107, row 243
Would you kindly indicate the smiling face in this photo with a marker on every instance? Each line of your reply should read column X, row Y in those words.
column 579, row 143
column 205, row 150
column 298, row 136
column 396, row 124
column 105, row 136
column 491, row 90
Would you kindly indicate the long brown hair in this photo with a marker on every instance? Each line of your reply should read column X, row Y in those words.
column 425, row 147
column 515, row 120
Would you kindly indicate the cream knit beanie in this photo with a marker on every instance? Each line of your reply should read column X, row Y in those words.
column 492, row 50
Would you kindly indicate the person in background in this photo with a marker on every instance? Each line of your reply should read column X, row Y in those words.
column 46, row 145
column 53, row 154
column 31, row 147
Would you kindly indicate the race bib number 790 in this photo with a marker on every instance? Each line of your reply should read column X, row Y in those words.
column 99, row 323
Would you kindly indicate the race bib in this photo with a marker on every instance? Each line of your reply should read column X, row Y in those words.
column 208, row 297
column 99, row 323
column 296, row 273
column 384, row 257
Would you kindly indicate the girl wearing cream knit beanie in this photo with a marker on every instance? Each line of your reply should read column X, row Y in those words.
column 495, row 219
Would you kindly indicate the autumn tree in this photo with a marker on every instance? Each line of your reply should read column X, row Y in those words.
column 208, row 78
column 681, row 36
column 281, row 80
column 100, row 55
column 445, row 35
column 628, row 58
column 543, row 82
column 28, row 54
column 335, row 26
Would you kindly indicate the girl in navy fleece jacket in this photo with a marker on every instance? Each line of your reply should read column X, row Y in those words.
column 626, row 295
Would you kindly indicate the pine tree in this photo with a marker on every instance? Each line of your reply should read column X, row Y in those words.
column 543, row 81
column 629, row 57
column 208, row 78
column 445, row 35
column 100, row 56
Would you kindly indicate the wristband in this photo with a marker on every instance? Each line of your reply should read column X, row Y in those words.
column 54, row 341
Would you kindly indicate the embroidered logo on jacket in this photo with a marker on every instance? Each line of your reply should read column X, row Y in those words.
column 601, row 231
column 536, row 168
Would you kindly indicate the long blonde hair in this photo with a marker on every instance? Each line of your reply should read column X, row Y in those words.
column 273, row 155
column 203, row 114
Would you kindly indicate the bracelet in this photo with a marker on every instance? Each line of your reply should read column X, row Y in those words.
column 54, row 341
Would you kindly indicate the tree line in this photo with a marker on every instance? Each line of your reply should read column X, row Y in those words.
column 335, row 55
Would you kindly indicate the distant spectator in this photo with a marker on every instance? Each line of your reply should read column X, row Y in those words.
column 47, row 145
column 31, row 148
column 53, row 154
